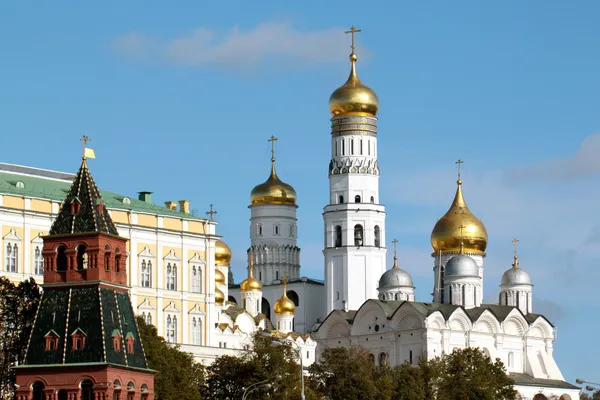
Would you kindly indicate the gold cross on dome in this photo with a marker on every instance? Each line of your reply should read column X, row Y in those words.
column 285, row 280
column 459, row 162
column 352, row 31
column 515, row 241
column 395, row 241
column 273, row 140
column 211, row 213
column 461, row 230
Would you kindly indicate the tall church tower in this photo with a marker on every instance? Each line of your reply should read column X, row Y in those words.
column 354, row 220
column 458, row 232
column 273, row 229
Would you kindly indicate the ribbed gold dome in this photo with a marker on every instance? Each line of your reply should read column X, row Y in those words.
column 251, row 284
column 222, row 254
column 219, row 297
column 219, row 277
column 284, row 305
column 353, row 97
column 447, row 233
column 273, row 191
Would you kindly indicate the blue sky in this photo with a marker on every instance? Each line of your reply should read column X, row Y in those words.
column 180, row 100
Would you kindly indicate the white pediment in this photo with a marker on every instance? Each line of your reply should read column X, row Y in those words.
column 196, row 311
column 197, row 259
column 12, row 236
column 172, row 256
column 172, row 308
column 146, row 305
column 146, row 253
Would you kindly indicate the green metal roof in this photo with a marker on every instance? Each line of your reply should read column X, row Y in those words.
column 47, row 187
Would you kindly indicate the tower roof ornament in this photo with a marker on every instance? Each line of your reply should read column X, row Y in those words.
column 395, row 241
column 352, row 31
column 516, row 257
column 458, row 163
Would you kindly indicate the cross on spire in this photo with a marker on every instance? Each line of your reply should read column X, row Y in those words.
column 273, row 140
column 285, row 281
column 395, row 241
column 458, row 163
column 352, row 31
column 516, row 257
column 211, row 213
column 84, row 139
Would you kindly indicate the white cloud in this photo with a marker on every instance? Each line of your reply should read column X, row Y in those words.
column 238, row 48
column 585, row 162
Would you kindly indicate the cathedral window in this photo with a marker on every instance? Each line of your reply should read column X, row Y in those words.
column 276, row 230
column 196, row 330
column 171, row 329
column 38, row 261
column 293, row 296
column 341, row 199
column 336, row 149
column 147, row 317
column 118, row 260
column 146, row 273
column 475, row 296
column 196, row 280
column 517, row 296
column 358, row 235
column 464, row 295
column 107, row 258
column 410, row 357
column 450, row 294
column 338, row 236
column 82, row 257
column 171, row 276
column 276, row 274
column 372, row 199
column 259, row 229
column 377, row 233
column 511, row 359
column 506, row 298
column 61, row 258
column 351, row 146
column 343, row 147
column 12, row 257
column 361, row 147
column 357, row 199
column 369, row 146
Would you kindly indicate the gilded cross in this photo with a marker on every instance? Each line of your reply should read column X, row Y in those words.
column 459, row 162
column 211, row 213
column 273, row 140
column 285, row 281
column 395, row 241
column 84, row 139
column 461, row 230
column 352, row 31
column 515, row 241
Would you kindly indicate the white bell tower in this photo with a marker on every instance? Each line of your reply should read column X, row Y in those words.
column 354, row 220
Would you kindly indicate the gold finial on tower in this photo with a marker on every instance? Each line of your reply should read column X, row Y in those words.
column 395, row 241
column 459, row 162
column 285, row 281
column 352, row 31
column 87, row 152
column 250, row 283
column 273, row 140
column 284, row 305
column 516, row 257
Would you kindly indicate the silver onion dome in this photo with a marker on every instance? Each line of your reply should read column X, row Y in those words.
column 395, row 278
column 515, row 276
column 461, row 265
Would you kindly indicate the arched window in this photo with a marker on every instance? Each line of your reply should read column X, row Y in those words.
column 357, row 199
column 38, row 261
column 338, row 236
column 343, row 148
column 232, row 299
column 171, row 276
column 475, row 295
column 196, row 331
column 87, row 391
column 266, row 307
column 450, row 295
column 118, row 260
column 351, row 146
column 38, row 390
column 372, row 357
column 511, row 359
column 383, row 359
column 372, row 199
column 293, row 296
column 358, row 235
column 377, row 232
column 82, row 257
column 361, row 151
column 464, row 295
column 341, row 199
column 517, row 295
column 61, row 258
column 196, row 284
column 146, row 271
column 277, row 275
column 505, row 298
column 171, row 329
column 369, row 146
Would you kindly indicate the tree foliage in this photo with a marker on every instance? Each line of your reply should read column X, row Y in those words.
column 178, row 376
column 18, row 305
column 228, row 377
column 592, row 396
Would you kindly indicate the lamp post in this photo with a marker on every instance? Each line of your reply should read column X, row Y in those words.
column 260, row 385
column 298, row 352
column 580, row 381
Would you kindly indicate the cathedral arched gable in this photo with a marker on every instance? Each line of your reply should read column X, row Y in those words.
column 435, row 321
column 225, row 319
column 369, row 318
column 334, row 326
column 515, row 324
column 541, row 329
column 245, row 322
column 487, row 323
column 459, row 320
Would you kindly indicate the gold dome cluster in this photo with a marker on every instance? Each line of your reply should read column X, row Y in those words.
column 219, row 277
column 284, row 305
column 273, row 191
column 219, row 297
column 251, row 284
column 222, row 254
column 353, row 97
column 459, row 225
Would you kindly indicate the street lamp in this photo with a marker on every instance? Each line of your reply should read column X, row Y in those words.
column 262, row 385
column 580, row 381
column 298, row 352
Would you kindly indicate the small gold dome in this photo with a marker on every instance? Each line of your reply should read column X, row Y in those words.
column 251, row 284
column 447, row 233
column 222, row 254
column 219, row 277
column 219, row 297
column 273, row 191
column 353, row 97
column 284, row 305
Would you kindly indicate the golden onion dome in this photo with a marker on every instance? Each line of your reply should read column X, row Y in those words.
column 222, row 254
column 284, row 305
column 273, row 191
column 219, row 297
column 219, row 277
column 251, row 284
column 459, row 225
column 353, row 97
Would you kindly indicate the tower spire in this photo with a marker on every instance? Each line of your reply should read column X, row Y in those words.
column 515, row 257
column 395, row 241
